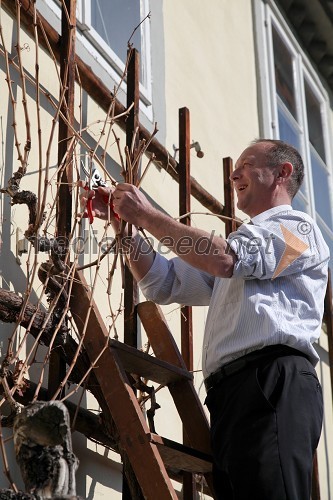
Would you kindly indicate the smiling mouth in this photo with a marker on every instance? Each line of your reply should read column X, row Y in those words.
column 241, row 188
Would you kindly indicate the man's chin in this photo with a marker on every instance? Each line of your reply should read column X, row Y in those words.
column 240, row 205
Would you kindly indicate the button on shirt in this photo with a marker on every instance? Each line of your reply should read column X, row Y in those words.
column 275, row 296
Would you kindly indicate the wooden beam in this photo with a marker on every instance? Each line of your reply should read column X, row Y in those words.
column 132, row 142
column 229, row 197
column 315, row 489
column 182, row 458
column 134, row 435
column 67, row 75
column 57, row 367
column 183, row 392
column 102, row 96
column 131, row 289
column 184, row 166
column 185, row 208
column 189, row 487
column 135, row 361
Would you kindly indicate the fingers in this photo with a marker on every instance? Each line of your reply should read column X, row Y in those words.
column 123, row 188
column 84, row 197
column 83, row 202
column 87, row 193
column 82, row 184
column 96, row 202
column 104, row 191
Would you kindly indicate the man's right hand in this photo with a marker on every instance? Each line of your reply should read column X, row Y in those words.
column 101, row 204
column 140, row 253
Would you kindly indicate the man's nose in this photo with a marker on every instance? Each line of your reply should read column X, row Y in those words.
column 235, row 175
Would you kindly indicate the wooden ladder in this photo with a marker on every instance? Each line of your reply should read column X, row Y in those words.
column 153, row 458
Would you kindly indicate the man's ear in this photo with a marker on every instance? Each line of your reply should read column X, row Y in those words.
column 284, row 172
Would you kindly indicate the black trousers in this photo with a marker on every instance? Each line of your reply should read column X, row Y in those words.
column 265, row 426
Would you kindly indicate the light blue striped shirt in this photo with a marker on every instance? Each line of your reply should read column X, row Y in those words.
column 275, row 296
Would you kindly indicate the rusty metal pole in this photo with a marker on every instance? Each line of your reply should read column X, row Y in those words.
column 57, row 367
column 185, row 208
column 315, row 490
column 132, row 125
column 229, row 197
column 130, row 483
column 189, row 488
column 67, row 75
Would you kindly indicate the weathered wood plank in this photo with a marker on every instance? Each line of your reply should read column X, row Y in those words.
column 122, row 403
column 150, row 367
column 183, row 392
column 189, row 488
column 179, row 458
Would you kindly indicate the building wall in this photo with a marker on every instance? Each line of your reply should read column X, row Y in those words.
column 204, row 59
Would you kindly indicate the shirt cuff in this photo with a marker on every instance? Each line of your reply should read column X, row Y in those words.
column 246, row 262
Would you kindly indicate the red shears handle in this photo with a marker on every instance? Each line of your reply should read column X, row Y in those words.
column 106, row 201
column 89, row 207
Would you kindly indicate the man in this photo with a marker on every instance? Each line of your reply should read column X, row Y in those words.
column 265, row 287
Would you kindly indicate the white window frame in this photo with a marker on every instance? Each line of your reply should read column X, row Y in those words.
column 266, row 14
column 106, row 61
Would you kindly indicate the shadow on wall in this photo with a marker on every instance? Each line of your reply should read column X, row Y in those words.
column 98, row 476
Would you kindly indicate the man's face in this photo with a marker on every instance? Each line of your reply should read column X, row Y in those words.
column 253, row 181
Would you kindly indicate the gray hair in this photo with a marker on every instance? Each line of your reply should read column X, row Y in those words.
column 281, row 152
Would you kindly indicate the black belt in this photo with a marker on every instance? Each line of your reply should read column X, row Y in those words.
column 271, row 351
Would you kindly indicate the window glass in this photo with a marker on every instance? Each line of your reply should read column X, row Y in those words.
column 328, row 237
column 299, row 203
column 114, row 21
column 315, row 126
column 321, row 181
column 289, row 132
column 284, row 80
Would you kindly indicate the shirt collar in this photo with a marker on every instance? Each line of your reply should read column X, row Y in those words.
column 268, row 213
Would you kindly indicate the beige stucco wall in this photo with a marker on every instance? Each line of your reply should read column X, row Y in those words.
column 210, row 68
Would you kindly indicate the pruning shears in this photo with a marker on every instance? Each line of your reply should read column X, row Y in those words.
column 96, row 180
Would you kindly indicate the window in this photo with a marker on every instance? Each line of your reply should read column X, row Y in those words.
column 296, row 109
column 115, row 21
column 109, row 24
column 104, row 28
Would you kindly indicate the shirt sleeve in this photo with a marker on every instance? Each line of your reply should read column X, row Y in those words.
column 174, row 280
column 278, row 249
